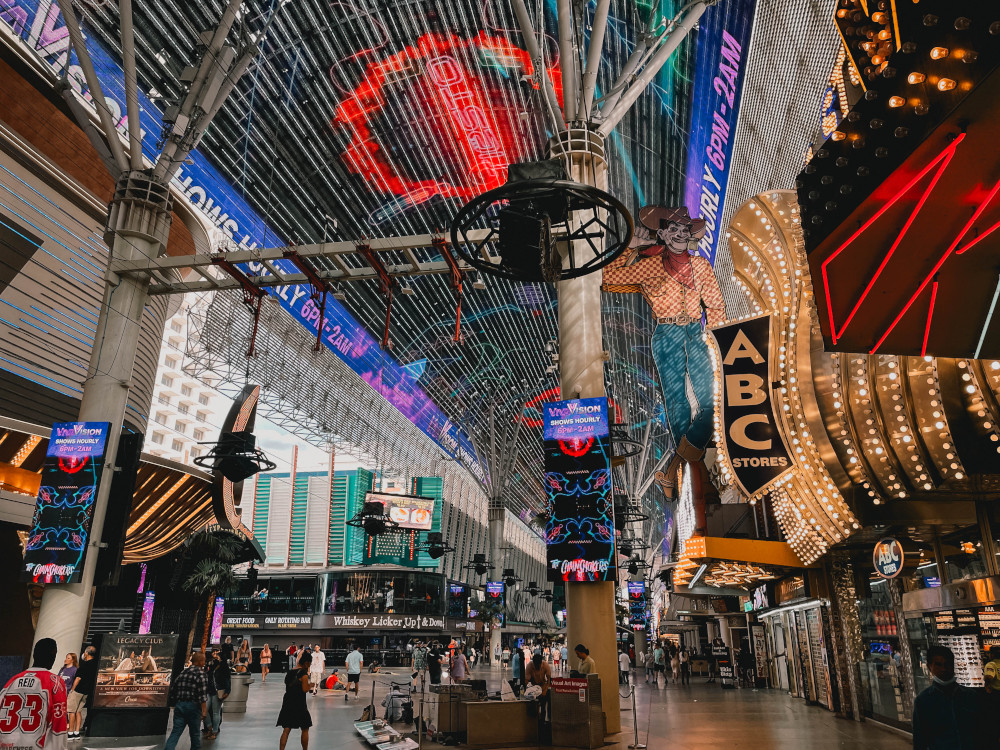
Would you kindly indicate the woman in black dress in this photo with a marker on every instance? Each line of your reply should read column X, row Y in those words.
column 294, row 714
column 434, row 665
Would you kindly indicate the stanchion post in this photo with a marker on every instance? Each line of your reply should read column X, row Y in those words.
column 636, row 745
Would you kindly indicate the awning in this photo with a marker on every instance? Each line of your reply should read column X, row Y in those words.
column 724, row 562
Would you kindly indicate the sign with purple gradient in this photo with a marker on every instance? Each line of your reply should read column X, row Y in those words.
column 60, row 530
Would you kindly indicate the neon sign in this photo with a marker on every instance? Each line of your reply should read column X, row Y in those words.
column 452, row 90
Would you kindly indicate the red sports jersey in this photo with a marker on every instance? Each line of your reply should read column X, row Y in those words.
column 33, row 712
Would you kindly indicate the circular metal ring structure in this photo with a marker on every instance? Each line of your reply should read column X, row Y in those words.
column 554, row 214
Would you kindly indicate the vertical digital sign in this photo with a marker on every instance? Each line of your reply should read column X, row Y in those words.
column 494, row 593
column 579, row 535
column 60, row 529
column 637, row 604
column 147, row 612
column 220, row 607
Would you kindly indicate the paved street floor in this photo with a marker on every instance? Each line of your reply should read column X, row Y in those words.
column 678, row 717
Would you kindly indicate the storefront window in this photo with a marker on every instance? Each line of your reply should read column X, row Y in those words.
column 381, row 592
column 293, row 594
column 882, row 658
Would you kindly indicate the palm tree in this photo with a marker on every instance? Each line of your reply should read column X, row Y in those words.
column 214, row 554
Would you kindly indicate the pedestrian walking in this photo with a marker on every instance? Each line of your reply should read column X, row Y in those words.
column 556, row 658
column 83, row 685
column 675, row 665
column 354, row 663
column 294, row 713
column 189, row 696
column 624, row 665
column 290, row 653
column 946, row 715
column 459, row 665
column 564, row 656
column 505, row 657
column 33, row 704
column 265, row 663
column 685, row 667
column 317, row 666
column 434, row 665
column 220, row 686
column 496, row 653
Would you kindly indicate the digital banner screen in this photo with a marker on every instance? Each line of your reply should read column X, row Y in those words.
column 57, row 543
column 134, row 671
column 637, row 604
column 220, row 608
column 580, row 532
column 147, row 612
column 408, row 511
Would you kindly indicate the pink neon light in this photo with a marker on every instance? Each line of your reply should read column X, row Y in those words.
column 937, row 267
column 930, row 316
column 946, row 156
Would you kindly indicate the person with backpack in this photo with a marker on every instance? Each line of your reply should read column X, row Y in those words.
column 294, row 713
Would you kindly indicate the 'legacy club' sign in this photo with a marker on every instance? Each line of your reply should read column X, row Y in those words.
column 888, row 558
column 753, row 442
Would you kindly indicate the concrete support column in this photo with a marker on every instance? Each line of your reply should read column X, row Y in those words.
column 590, row 607
column 138, row 223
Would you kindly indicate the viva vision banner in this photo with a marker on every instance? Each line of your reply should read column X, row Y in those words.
column 57, row 543
column 723, row 46
column 756, row 449
column 37, row 27
column 580, row 533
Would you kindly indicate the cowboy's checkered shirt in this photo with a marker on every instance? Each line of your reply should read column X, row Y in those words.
column 665, row 295
column 191, row 685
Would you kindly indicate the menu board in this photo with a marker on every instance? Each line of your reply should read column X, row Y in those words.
column 134, row 671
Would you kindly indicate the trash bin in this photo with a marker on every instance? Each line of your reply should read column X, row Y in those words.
column 236, row 703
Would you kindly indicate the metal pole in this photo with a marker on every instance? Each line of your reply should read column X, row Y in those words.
column 207, row 67
column 131, row 84
column 600, row 26
column 531, row 45
column 615, row 93
column 65, row 608
column 636, row 745
column 611, row 117
column 110, row 133
column 942, row 565
column 567, row 60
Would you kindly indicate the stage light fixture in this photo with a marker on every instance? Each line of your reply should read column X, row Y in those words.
column 373, row 519
column 235, row 456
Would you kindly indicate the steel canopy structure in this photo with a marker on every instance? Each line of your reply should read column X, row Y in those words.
column 339, row 131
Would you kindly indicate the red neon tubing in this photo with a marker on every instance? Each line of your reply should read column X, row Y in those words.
column 947, row 253
column 946, row 153
column 930, row 317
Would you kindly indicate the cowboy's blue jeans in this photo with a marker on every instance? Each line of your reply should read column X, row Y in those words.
column 681, row 353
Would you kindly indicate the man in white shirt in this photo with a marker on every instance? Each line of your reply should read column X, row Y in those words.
column 355, row 661
column 316, row 668
column 624, row 665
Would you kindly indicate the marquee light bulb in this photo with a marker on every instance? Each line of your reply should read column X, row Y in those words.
column 938, row 53
column 946, row 84
column 916, row 78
